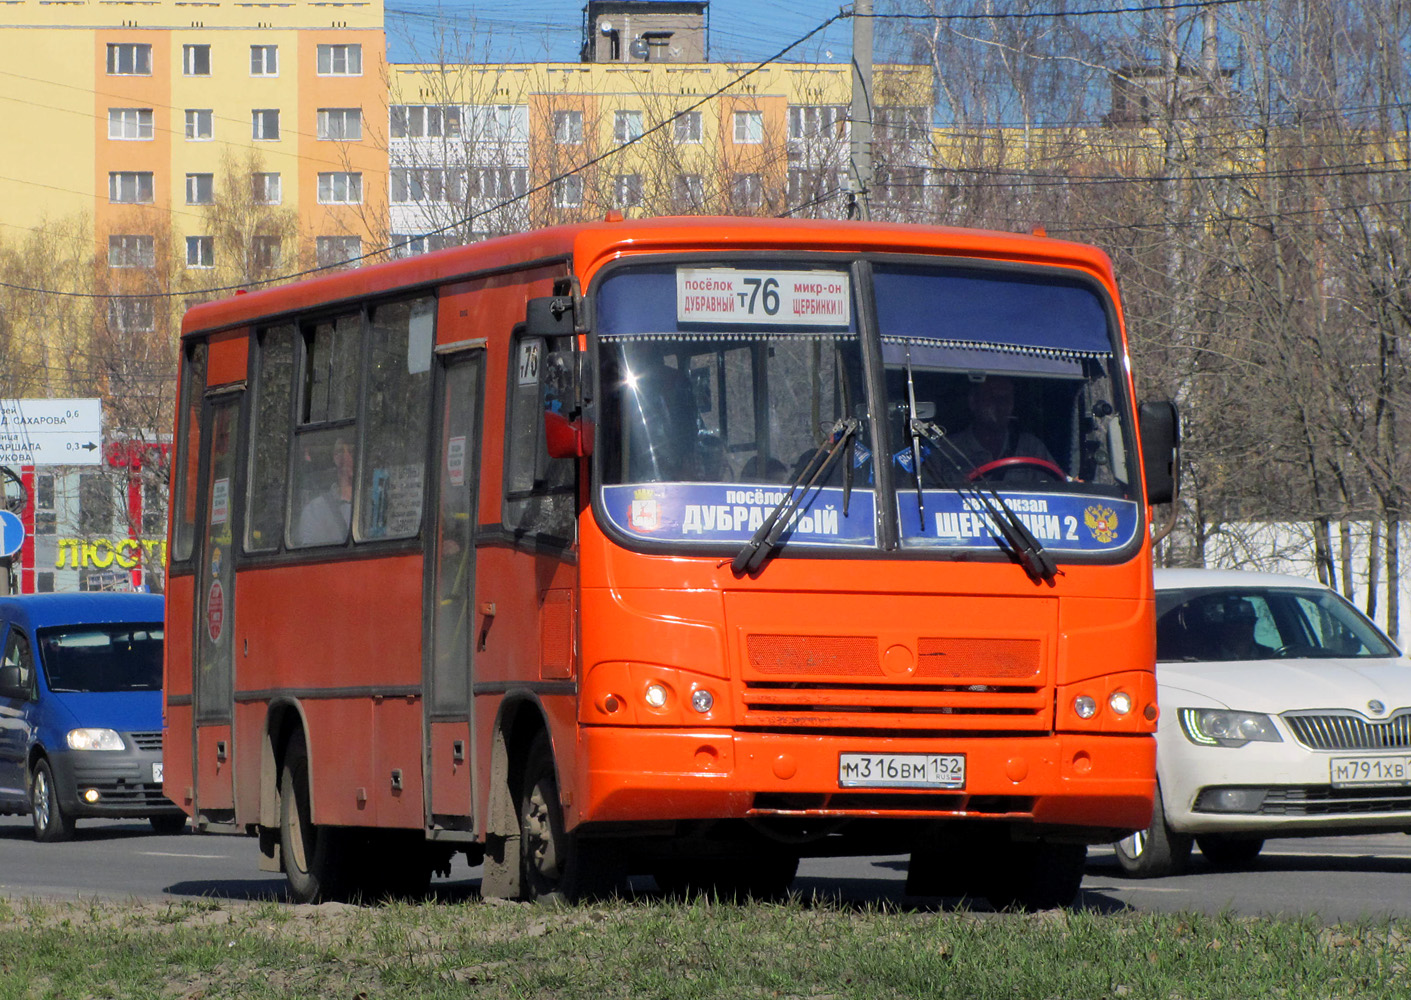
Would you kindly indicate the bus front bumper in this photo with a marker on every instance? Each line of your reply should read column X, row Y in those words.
column 1101, row 782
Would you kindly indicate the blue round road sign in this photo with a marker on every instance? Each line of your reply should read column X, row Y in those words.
column 11, row 533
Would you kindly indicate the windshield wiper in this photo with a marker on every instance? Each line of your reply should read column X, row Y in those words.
column 766, row 537
column 1026, row 549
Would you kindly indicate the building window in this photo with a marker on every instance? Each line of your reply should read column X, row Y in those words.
column 749, row 127
column 265, row 188
column 688, row 127
column 568, row 127
column 196, row 60
column 627, row 190
column 131, row 250
column 568, row 191
column 129, row 123
column 265, row 122
column 200, row 189
column 687, row 192
column 200, row 251
column 408, row 245
column 626, row 125
column 154, row 505
column 266, row 251
column 46, row 522
column 132, row 315
column 335, row 250
column 198, row 123
column 44, row 491
column 340, row 60
column 424, row 121
column 130, row 187
column 264, row 60
column 747, row 191
column 817, row 121
column 498, row 182
column 129, row 59
column 407, row 186
column 44, row 582
column 340, row 187
column 340, row 123
column 96, row 507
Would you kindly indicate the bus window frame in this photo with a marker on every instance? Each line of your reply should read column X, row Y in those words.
column 186, row 565
column 859, row 266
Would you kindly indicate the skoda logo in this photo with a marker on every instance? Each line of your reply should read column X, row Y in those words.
column 1376, row 707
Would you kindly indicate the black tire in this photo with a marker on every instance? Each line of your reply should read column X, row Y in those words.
column 168, row 825
column 1157, row 851
column 51, row 823
column 556, row 867
column 310, row 853
column 1229, row 852
column 1040, row 876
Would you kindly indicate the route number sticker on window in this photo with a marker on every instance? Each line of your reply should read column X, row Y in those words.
column 790, row 298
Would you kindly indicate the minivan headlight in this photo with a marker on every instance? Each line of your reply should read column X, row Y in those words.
column 94, row 739
column 1213, row 727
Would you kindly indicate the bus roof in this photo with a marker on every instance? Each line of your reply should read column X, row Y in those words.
column 589, row 244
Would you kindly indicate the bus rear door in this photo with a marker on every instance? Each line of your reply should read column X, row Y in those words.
column 213, row 683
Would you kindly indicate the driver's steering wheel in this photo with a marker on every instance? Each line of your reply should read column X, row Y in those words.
column 1016, row 462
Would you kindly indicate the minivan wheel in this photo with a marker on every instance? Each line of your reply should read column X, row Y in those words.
column 51, row 823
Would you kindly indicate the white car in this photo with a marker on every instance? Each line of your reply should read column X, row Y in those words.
column 1284, row 712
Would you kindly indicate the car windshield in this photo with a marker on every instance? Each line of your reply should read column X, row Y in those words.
column 102, row 658
column 1220, row 624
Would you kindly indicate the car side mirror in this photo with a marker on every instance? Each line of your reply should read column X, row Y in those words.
column 12, row 683
column 1159, row 427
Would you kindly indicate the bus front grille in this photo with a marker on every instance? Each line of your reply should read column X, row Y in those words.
column 812, row 682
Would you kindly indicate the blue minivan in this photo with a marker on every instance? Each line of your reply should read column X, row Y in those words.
column 81, row 711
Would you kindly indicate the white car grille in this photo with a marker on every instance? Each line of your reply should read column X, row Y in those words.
column 1339, row 731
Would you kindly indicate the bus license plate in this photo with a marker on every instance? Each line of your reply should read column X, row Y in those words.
column 901, row 770
column 157, row 773
column 1351, row 772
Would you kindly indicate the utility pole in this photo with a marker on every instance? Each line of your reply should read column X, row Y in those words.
column 860, row 115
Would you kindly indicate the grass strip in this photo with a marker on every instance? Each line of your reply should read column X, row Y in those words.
column 204, row 950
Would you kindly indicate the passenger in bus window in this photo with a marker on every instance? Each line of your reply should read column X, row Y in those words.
column 325, row 518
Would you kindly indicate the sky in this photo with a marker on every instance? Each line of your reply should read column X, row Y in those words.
column 551, row 30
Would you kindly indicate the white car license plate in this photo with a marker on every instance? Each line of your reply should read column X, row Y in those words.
column 157, row 773
column 901, row 770
column 1350, row 772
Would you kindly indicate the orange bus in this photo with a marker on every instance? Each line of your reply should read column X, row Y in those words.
column 678, row 546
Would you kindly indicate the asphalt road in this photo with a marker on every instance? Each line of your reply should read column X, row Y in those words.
column 1337, row 879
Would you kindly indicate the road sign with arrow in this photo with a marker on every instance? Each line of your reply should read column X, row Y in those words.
column 51, row 432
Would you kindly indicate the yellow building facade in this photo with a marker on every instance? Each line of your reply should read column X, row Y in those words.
column 146, row 117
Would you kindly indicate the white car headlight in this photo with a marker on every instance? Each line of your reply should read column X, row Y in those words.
column 94, row 739
column 1214, row 727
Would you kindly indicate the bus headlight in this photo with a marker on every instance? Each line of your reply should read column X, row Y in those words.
column 1120, row 702
column 702, row 700
column 655, row 696
column 1084, row 706
column 94, row 739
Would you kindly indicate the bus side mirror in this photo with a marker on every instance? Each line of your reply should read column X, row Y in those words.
column 1159, row 426
column 549, row 316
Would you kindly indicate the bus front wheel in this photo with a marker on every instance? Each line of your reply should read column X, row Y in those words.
column 309, row 852
column 555, row 866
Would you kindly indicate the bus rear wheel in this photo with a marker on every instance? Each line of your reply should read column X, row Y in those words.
column 555, row 866
column 310, row 853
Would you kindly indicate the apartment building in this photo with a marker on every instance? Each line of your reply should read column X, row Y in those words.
column 149, row 116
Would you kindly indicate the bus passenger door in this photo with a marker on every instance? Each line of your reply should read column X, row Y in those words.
column 213, row 685
column 448, row 738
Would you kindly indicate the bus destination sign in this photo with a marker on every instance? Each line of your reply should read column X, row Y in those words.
column 787, row 298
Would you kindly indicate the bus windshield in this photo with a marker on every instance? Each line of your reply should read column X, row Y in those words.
column 721, row 384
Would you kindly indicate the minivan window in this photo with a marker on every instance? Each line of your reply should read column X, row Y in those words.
column 93, row 658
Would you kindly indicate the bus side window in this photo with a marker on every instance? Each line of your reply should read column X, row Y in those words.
column 188, row 459
column 269, row 438
column 397, row 415
column 324, row 459
column 540, row 492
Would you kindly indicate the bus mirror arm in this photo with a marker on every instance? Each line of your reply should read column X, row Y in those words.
column 566, row 438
